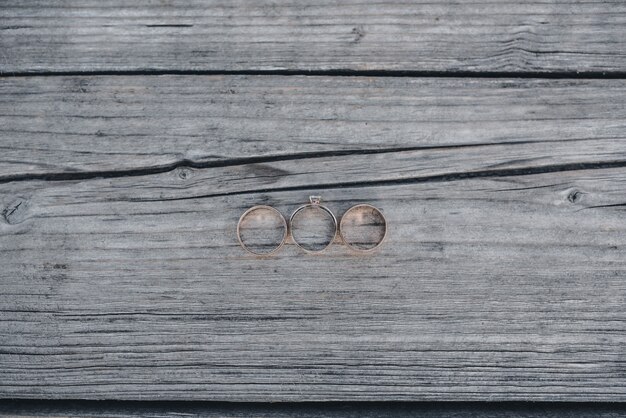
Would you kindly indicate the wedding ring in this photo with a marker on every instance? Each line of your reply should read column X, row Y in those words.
column 314, row 204
column 361, row 221
column 273, row 212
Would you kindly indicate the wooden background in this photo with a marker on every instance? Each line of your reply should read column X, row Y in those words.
column 491, row 134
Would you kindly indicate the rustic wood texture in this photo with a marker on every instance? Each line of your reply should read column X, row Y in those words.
column 469, row 35
column 82, row 127
column 502, row 277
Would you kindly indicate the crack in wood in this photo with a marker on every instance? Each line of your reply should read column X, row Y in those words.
column 413, row 180
column 230, row 162
column 335, row 72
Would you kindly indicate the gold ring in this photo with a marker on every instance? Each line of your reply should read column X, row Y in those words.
column 352, row 247
column 314, row 203
column 252, row 209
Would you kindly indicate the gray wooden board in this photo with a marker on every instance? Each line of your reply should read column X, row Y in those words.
column 487, row 289
column 468, row 35
column 116, row 125
column 122, row 409
column 503, row 276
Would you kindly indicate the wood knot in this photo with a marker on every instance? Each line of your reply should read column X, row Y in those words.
column 358, row 33
column 574, row 196
column 55, row 266
column 184, row 173
column 80, row 85
column 15, row 212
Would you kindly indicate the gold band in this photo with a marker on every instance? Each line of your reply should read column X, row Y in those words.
column 341, row 227
column 253, row 208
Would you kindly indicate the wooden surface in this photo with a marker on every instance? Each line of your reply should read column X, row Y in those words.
column 85, row 127
column 502, row 277
column 491, row 135
column 470, row 35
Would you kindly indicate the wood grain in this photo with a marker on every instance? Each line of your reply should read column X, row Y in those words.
column 463, row 36
column 506, row 287
column 503, row 275
column 116, row 126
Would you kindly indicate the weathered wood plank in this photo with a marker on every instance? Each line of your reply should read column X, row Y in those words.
column 497, row 288
column 502, row 279
column 113, row 126
column 121, row 409
column 468, row 35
